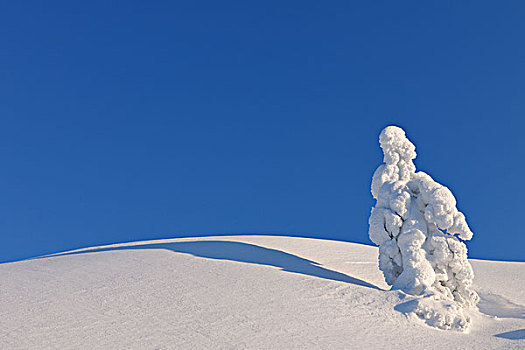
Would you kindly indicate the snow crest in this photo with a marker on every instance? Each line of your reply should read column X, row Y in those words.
column 419, row 230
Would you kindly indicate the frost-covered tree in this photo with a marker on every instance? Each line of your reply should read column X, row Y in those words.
column 419, row 230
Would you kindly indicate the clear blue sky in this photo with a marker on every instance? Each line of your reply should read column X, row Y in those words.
column 127, row 120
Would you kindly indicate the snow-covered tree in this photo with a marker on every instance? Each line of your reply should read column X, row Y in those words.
column 418, row 229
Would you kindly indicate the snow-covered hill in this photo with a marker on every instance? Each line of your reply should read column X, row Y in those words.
column 238, row 292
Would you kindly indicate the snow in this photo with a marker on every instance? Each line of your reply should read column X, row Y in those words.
column 417, row 226
column 238, row 292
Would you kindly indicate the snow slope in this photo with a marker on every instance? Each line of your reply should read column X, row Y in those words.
column 237, row 292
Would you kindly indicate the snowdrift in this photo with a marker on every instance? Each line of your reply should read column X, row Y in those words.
column 237, row 292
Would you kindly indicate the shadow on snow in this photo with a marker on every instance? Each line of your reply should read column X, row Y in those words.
column 517, row 334
column 245, row 253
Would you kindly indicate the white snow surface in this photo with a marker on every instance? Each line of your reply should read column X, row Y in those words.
column 238, row 292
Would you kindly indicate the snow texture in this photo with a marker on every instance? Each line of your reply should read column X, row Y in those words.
column 240, row 292
column 419, row 231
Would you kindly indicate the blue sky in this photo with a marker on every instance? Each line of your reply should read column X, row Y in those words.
column 125, row 120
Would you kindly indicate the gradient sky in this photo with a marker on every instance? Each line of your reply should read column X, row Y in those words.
column 126, row 120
